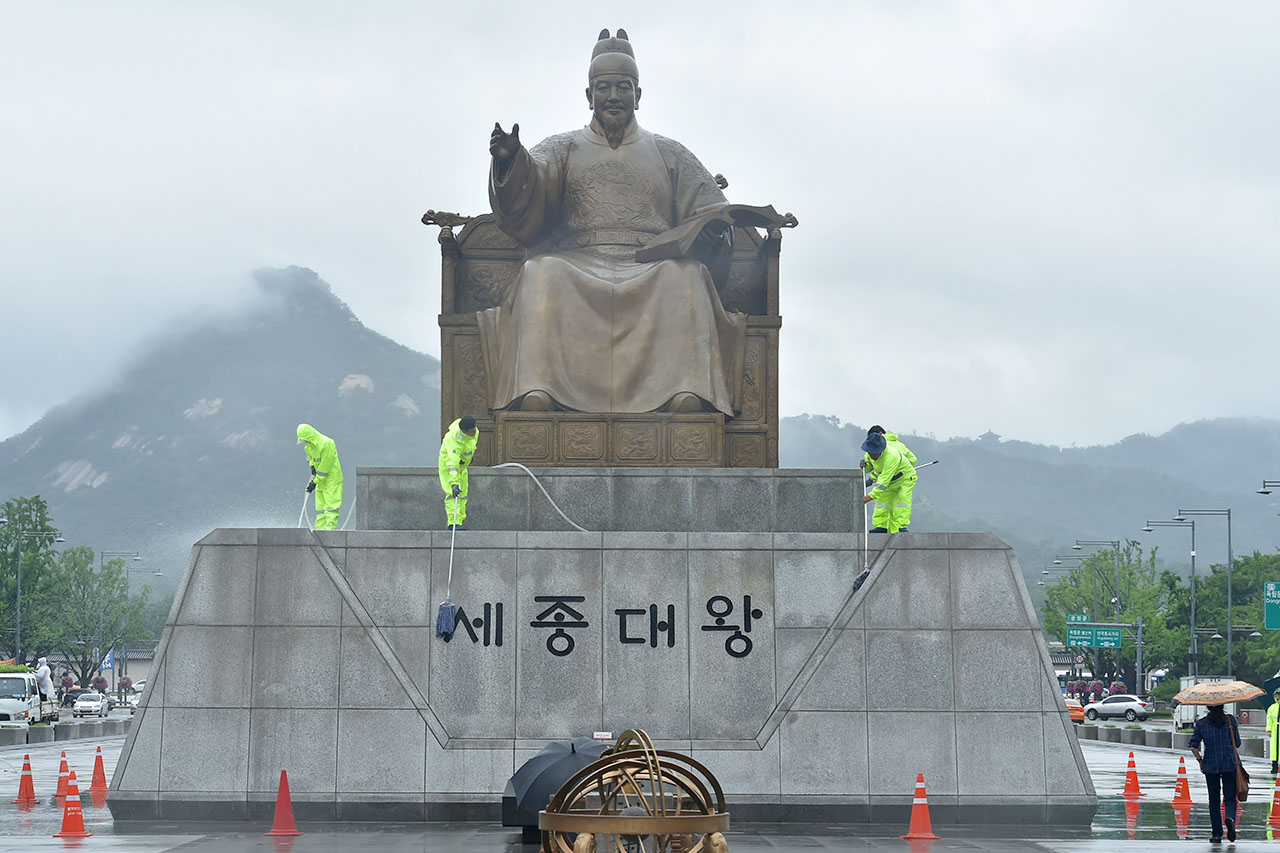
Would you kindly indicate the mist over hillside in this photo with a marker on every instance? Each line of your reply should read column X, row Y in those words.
column 199, row 432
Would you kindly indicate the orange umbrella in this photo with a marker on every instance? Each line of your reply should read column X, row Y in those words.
column 1218, row 693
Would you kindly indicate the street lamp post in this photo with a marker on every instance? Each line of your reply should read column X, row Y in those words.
column 1181, row 516
column 102, row 560
column 22, row 534
column 1093, row 614
column 1193, row 667
column 1114, row 543
column 124, row 658
column 1268, row 485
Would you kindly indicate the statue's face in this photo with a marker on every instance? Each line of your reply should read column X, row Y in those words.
column 614, row 97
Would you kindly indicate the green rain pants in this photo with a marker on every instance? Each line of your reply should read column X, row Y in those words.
column 893, row 505
column 328, row 502
column 461, row 515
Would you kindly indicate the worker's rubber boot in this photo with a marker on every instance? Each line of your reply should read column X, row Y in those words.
column 878, row 530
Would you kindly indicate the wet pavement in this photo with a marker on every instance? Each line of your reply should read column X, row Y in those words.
column 1149, row 823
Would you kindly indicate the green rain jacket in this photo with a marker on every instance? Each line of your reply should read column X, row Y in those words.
column 322, row 454
column 1273, row 728
column 456, row 450
column 893, row 466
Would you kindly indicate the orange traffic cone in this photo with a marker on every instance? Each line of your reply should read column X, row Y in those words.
column 1131, row 788
column 26, row 787
column 62, row 776
column 1274, row 818
column 283, row 822
column 72, row 814
column 99, row 782
column 1182, row 791
column 921, row 827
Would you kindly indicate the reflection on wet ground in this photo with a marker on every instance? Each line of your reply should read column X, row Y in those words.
column 1150, row 819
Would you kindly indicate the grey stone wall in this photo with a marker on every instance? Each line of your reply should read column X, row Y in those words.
column 619, row 499
column 825, row 710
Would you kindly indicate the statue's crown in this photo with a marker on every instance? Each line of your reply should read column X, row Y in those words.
column 613, row 55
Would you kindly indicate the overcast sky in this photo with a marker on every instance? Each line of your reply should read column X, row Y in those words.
column 1056, row 221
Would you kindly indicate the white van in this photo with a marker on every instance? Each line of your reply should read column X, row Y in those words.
column 20, row 700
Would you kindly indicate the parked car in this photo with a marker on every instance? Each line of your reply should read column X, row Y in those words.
column 1075, row 710
column 1121, row 705
column 90, row 704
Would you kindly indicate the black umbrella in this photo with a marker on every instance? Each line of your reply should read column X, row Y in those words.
column 1270, row 685
column 541, row 776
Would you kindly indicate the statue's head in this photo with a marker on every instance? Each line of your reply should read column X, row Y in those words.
column 614, row 80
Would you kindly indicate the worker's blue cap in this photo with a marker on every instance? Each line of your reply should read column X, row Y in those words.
column 875, row 443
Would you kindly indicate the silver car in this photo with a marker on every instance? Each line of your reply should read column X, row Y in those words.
column 1121, row 705
column 90, row 704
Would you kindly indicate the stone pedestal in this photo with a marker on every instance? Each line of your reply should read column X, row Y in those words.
column 708, row 500
column 749, row 650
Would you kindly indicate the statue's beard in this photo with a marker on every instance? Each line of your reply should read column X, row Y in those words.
column 614, row 127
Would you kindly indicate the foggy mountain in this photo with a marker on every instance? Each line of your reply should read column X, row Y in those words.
column 200, row 433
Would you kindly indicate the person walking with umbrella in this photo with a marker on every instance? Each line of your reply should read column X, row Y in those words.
column 1217, row 733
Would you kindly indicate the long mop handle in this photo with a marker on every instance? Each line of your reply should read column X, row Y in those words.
column 866, row 565
column 448, row 587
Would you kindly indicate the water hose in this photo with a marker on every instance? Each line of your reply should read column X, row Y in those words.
column 544, row 493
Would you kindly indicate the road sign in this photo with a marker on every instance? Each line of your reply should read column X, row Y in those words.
column 1079, row 658
column 1107, row 638
column 1081, row 638
column 1077, row 617
column 1271, row 604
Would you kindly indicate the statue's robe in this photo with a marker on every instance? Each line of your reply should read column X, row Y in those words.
column 584, row 321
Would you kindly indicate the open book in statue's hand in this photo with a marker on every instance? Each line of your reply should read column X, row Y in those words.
column 678, row 242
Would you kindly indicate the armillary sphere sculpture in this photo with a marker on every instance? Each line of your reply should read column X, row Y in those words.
column 637, row 799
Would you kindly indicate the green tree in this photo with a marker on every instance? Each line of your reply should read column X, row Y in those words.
column 1256, row 658
column 1136, row 590
column 97, row 612
column 28, row 524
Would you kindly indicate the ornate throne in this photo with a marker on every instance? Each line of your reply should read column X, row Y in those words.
column 478, row 266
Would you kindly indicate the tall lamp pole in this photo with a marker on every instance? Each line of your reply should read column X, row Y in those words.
column 1268, row 485
column 1114, row 543
column 102, row 560
column 1181, row 516
column 1193, row 667
column 19, row 536
column 1093, row 614
column 124, row 658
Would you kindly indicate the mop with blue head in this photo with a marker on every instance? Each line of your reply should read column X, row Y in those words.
column 445, row 617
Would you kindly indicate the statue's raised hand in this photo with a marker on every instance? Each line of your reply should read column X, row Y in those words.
column 502, row 145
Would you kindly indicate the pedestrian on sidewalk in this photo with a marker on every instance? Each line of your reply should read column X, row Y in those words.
column 1217, row 732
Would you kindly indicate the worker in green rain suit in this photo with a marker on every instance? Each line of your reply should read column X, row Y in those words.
column 1273, row 729
column 456, row 451
column 326, row 475
column 895, row 481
